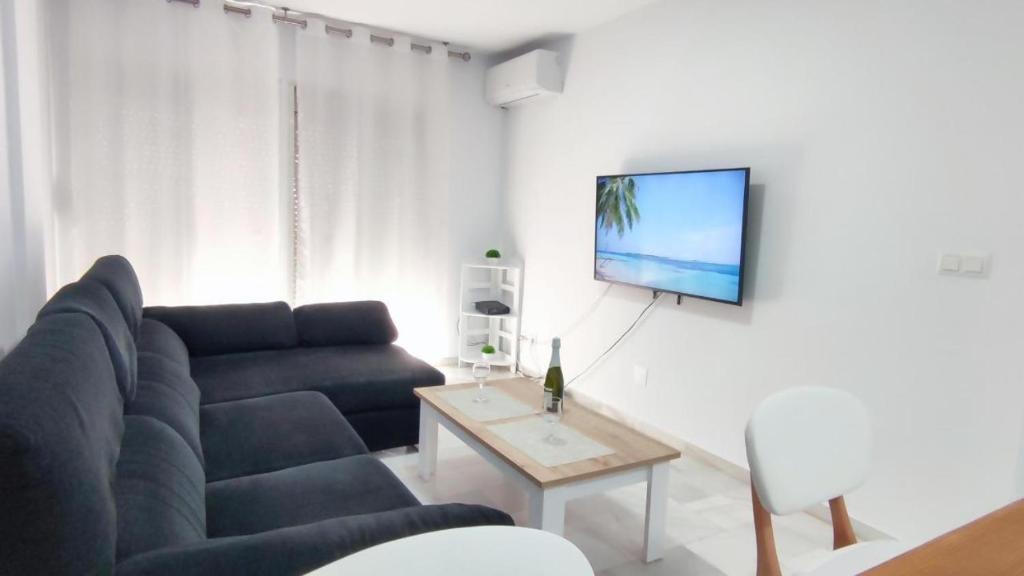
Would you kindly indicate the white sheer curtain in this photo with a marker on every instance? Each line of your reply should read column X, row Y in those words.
column 25, row 167
column 174, row 148
column 168, row 146
column 10, row 324
column 373, row 180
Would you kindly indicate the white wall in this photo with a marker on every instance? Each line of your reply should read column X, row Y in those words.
column 24, row 169
column 477, row 151
column 878, row 134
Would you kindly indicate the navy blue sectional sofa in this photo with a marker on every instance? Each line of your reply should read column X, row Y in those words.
column 204, row 440
column 343, row 350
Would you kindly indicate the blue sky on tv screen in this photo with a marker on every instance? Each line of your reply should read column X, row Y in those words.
column 695, row 216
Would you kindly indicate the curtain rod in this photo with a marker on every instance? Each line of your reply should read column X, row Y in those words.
column 328, row 28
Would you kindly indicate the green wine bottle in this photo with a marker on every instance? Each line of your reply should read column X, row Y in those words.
column 554, row 383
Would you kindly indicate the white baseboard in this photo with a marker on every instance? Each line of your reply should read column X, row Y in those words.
column 864, row 531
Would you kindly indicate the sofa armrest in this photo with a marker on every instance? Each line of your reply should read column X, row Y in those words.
column 345, row 323
column 301, row 549
column 229, row 328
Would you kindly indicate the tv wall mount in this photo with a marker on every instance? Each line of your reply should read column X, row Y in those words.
column 679, row 297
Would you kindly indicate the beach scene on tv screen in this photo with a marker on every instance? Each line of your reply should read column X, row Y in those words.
column 672, row 232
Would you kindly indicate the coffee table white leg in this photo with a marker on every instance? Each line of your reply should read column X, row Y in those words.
column 657, row 500
column 547, row 509
column 428, row 440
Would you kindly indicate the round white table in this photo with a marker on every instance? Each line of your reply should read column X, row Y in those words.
column 481, row 550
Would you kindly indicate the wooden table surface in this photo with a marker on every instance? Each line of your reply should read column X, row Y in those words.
column 992, row 545
column 632, row 449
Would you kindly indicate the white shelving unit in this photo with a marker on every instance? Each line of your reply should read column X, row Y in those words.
column 487, row 281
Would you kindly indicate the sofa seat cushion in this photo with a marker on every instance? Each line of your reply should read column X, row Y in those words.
column 355, row 378
column 303, row 494
column 260, row 435
column 303, row 549
column 160, row 489
column 157, row 338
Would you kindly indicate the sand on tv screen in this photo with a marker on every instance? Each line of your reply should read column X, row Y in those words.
column 678, row 232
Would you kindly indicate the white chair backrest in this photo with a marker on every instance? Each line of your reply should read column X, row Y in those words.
column 806, row 446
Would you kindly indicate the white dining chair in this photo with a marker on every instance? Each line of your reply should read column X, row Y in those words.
column 805, row 446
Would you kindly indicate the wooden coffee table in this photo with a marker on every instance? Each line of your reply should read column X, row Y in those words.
column 637, row 458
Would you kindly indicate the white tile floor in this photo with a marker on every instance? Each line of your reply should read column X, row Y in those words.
column 709, row 529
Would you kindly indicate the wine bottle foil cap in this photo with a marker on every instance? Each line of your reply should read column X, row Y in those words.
column 556, row 342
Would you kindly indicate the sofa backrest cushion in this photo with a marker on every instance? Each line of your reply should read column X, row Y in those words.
column 344, row 323
column 158, row 338
column 161, row 489
column 93, row 300
column 230, row 328
column 60, row 434
column 116, row 274
column 167, row 392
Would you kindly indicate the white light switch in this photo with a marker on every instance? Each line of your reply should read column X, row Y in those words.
column 949, row 263
column 974, row 264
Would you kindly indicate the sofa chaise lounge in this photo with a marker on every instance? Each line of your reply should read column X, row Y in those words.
column 204, row 440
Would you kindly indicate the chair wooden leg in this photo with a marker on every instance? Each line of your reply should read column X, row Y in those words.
column 767, row 555
column 842, row 528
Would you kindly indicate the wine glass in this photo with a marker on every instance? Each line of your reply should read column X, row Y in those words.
column 480, row 372
column 551, row 416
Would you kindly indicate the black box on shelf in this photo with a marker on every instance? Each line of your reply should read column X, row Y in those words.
column 492, row 307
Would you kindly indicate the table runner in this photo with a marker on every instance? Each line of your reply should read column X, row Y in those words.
column 499, row 405
column 528, row 436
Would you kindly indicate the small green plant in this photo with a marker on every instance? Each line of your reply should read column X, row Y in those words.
column 487, row 349
column 492, row 253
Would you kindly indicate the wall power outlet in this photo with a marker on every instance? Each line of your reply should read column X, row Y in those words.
column 640, row 376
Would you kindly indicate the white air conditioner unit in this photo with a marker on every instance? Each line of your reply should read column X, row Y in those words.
column 522, row 79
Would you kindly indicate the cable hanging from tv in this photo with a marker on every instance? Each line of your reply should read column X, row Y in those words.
column 636, row 322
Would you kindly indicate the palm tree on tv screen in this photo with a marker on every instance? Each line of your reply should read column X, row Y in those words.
column 616, row 203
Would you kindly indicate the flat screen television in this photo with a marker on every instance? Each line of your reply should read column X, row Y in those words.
column 677, row 232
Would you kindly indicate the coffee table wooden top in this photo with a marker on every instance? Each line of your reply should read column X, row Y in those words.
column 632, row 449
